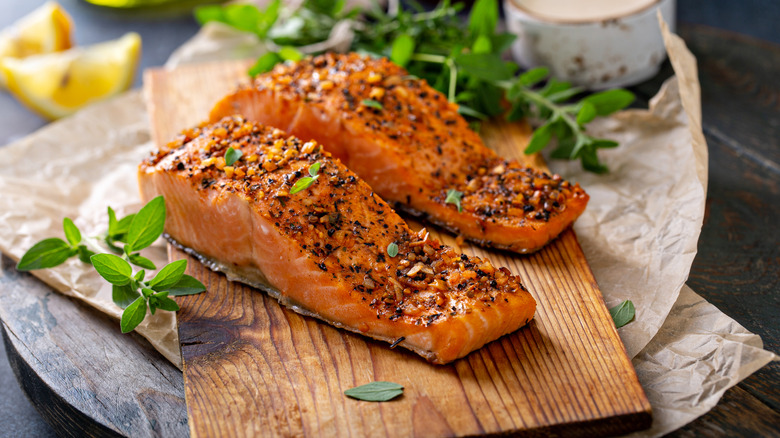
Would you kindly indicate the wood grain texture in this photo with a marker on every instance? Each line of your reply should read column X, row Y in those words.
column 253, row 367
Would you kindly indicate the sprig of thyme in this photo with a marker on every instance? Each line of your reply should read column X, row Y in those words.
column 125, row 238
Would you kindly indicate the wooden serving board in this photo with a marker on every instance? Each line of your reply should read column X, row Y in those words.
column 252, row 367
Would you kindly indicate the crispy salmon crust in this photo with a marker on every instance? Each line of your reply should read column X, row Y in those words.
column 413, row 150
column 328, row 250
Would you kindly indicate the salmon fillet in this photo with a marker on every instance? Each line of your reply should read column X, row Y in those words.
column 413, row 151
column 327, row 250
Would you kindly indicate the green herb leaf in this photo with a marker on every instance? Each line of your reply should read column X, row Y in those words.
column 288, row 53
column 471, row 112
column 113, row 268
column 610, row 101
column 482, row 45
column 265, row 63
column 123, row 296
column 147, row 225
column 72, row 232
column 402, row 49
column 392, row 249
column 166, row 303
column 483, row 17
column 147, row 292
column 302, row 184
column 205, row 14
column 454, row 197
column 242, row 16
column 314, row 169
column 534, row 76
column 85, row 254
column 139, row 276
column 539, row 139
column 485, row 66
column 586, row 113
column 232, row 155
column 375, row 391
column 372, row 103
column 133, row 315
column 140, row 261
column 169, row 275
column 187, row 285
column 623, row 313
column 47, row 253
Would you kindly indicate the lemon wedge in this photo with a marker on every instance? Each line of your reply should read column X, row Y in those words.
column 45, row 30
column 57, row 84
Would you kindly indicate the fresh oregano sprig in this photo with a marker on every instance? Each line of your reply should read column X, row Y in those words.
column 306, row 182
column 129, row 289
column 463, row 60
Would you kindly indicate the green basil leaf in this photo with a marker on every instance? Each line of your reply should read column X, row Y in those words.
column 133, row 315
column 607, row 102
column 167, row 304
column 402, row 49
column 85, row 254
column 140, row 261
column 314, row 169
column 539, row 139
column 623, row 313
column 187, row 285
column 169, row 275
column 471, row 112
column 534, row 76
column 586, row 113
column 112, row 268
column 265, row 63
column 482, row 45
column 47, row 253
column 484, row 17
column 242, row 16
column 147, row 225
column 288, row 53
column 485, row 66
column 302, row 184
column 232, row 155
column 375, row 391
column 392, row 249
column 454, row 197
column 123, row 296
column 72, row 232
column 205, row 14
column 372, row 103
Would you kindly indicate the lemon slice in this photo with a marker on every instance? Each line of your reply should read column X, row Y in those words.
column 57, row 84
column 45, row 30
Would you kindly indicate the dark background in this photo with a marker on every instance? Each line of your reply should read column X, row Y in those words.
column 164, row 30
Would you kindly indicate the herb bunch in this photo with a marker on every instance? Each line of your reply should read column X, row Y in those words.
column 462, row 59
column 125, row 238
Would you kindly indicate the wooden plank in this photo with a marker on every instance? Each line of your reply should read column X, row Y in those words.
column 251, row 366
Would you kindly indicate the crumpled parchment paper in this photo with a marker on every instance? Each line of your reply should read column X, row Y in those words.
column 639, row 232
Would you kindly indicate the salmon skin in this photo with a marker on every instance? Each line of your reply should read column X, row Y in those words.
column 410, row 144
column 334, row 250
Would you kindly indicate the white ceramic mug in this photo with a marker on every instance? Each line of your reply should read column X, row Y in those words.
column 597, row 49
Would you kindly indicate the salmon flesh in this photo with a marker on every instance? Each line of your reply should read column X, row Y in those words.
column 334, row 250
column 410, row 144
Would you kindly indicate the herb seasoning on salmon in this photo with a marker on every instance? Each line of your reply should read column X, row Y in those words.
column 333, row 249
column 410, row 144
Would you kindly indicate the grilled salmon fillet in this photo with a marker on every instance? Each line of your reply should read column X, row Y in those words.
column 414, row 150
column 334, row 250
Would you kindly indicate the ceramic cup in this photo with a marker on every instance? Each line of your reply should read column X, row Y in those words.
column 596, row 50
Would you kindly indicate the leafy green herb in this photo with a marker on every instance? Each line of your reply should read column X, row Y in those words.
column 137, row 232
column 463, row 60
column 45, row 254
column 372, row 103
column 306, row 182
column 454, row 197
column 375, row 391
column 392, row 249
column 232, row 155
column 623, row 313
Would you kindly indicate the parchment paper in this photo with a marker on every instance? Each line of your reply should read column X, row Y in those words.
column 639, row 232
